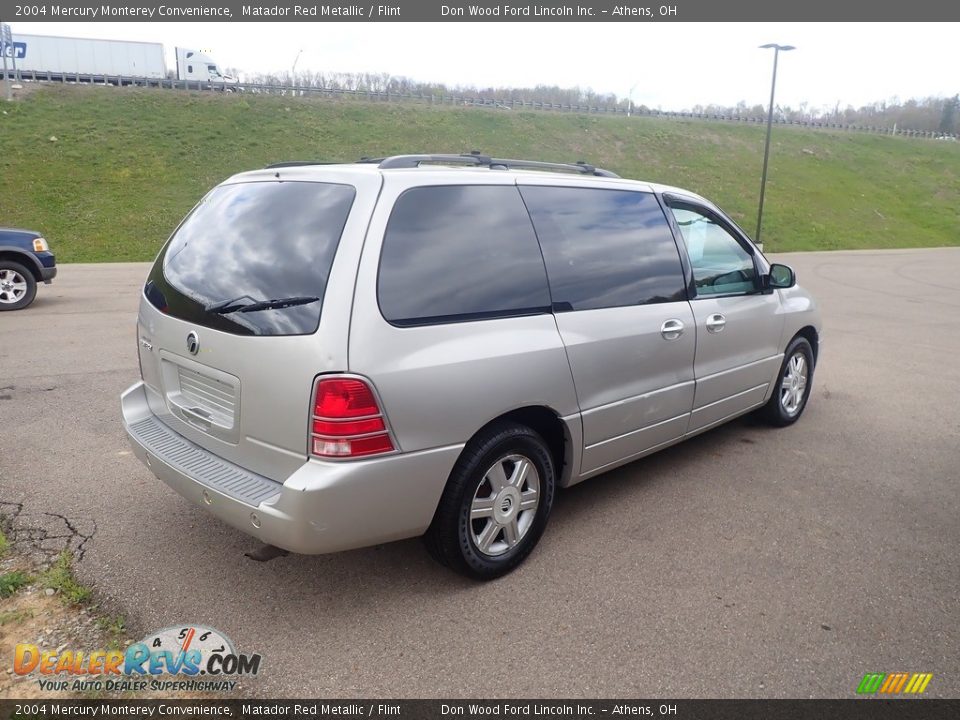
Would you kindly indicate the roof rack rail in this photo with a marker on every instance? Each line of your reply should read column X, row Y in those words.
column 478, row 160
column 298, row 163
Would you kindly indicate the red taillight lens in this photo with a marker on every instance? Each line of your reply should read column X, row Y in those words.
column 347, row 421
column 344, row 398
column 348, row 427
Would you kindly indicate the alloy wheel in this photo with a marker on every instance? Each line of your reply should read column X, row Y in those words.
column 504, row 505
column 13, row 286
column 793, row 387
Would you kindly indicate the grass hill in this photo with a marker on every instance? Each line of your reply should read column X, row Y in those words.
column 107, row 173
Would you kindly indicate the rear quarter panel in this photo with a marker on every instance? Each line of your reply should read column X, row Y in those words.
column 441, row 383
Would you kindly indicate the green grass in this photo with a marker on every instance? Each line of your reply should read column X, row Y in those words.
column 12, row 581
column 4, row 543
column 114, row 628
column 128, row 164
column 59, row 576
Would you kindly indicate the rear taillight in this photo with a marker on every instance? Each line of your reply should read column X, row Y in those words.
column 347, row 421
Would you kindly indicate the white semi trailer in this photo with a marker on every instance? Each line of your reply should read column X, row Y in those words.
column 52, row 57
column 63, row 56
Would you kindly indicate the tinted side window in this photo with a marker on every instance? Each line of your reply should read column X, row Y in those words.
column 605, row 248
column 460, row 252
column 721, row 265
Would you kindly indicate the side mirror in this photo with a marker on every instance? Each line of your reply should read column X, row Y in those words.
column 781, row 276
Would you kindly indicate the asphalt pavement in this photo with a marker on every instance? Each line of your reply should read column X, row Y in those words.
column 747, row 562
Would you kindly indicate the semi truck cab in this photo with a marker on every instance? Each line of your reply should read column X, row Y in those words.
column 197, row 65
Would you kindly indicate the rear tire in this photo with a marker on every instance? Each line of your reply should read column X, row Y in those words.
column 18, row 287
column 793, row 386
column 496, row 503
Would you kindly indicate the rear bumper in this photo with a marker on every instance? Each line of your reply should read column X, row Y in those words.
column 322, row 507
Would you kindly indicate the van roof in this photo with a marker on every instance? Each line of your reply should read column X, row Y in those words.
column 472, row 159
column 461, row 165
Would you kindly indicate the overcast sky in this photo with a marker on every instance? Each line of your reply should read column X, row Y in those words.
column 672, row 65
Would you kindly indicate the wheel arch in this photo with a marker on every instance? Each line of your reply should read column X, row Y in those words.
column 17, row 255
column 810, row 333
column 561, row 436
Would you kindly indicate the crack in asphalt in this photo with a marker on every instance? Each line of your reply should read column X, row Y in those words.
column 32, row 530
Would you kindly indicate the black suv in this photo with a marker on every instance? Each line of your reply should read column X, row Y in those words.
column 25, row 260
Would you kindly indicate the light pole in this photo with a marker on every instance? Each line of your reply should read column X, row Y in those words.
column 766, row 148
column 6, row 41
column 293, row 70
column 630, row 99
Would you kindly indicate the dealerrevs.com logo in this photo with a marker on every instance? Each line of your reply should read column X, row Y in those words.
column 180, row 658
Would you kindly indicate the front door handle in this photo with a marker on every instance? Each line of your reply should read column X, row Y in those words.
column 671, row 329
column 716, row 323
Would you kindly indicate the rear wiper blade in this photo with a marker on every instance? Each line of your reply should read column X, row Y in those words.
column 228, row 305
column 274, row 304
column 279, row 303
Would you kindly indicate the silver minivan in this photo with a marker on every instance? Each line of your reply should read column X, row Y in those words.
column 334, row 356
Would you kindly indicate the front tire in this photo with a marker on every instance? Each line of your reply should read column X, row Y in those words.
column 496, row 503
column 794, row 383
column 18, row 287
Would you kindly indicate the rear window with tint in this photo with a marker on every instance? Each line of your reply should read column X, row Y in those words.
column 251, row 243
column 457, row 253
